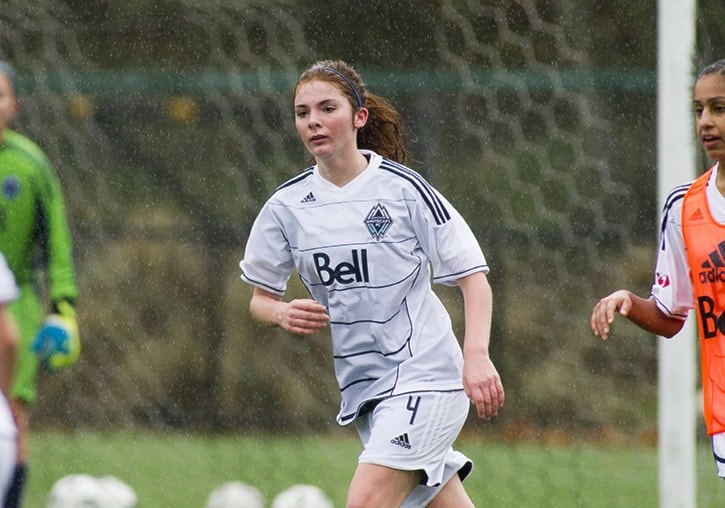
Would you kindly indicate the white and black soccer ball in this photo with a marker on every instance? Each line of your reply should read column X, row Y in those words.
column 302, row 496
column 75, row 491
column 235, row 495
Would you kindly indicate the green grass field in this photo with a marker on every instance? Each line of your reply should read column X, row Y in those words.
column 180, row 470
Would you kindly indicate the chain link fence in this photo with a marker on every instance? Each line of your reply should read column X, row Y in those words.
column 170, row 123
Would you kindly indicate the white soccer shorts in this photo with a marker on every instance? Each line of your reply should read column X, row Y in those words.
column 415, row 432
column 718, row 450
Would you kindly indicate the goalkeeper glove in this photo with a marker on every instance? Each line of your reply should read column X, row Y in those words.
column 57, row 343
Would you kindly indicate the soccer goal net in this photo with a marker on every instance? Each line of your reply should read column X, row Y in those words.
column 169, row 124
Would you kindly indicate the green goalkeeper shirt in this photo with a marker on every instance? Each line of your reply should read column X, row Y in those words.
column 33, row 224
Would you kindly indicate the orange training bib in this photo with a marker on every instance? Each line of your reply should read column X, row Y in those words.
column 705, row 244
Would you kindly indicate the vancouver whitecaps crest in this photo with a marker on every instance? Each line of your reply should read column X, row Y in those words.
column 378, row 221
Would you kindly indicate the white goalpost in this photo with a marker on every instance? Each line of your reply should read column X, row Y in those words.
column 676, row 164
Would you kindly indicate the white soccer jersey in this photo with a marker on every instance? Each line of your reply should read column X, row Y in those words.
column 366, row 251
column 672, row 288
column 8, row 293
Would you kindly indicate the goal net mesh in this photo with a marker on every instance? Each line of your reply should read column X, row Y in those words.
column 169, row 124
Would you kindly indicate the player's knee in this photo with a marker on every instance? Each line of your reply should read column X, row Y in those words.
column 354, row 503
column 360, row 502
column 364, row 496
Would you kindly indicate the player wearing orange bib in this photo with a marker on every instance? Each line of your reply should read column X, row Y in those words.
column 690, row 271
column 705, row 244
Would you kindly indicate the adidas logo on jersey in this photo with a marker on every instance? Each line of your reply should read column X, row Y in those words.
column 402, row 440
column 696, row 215
column 714, row 267
column 309, row 198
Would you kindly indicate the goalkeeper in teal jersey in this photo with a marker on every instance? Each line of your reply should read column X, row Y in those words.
column 33, row 233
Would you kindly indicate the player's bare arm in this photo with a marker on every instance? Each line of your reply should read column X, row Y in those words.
column 481, row 380
column 641, row 311
column 301, row 316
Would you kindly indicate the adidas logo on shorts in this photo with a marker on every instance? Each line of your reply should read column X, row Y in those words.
column 402, row 440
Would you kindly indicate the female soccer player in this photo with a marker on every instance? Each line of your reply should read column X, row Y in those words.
column 366, row 234
column 8, row 354
column 690, row 271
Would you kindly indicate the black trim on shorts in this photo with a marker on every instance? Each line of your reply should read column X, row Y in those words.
column 463, row 473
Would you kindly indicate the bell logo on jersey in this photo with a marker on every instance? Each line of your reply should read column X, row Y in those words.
column 711, row 322
column 346, row 272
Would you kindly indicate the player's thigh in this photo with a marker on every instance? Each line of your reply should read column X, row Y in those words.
column 452, row 495
column 377, row 486
column 28, row 315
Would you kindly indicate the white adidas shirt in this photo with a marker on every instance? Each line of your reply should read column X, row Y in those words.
column 366, row 252
column 672, row 287
column 8, row 293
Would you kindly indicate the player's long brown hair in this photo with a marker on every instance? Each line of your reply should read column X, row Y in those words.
column 384, row 132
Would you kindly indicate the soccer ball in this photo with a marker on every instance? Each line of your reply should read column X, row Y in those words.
column 86, row 491
column 115, row 493
column 75, row 491
column 235, row 495
column 302, row 496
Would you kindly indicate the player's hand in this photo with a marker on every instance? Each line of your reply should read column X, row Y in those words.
column 482, row 384
column 604, row 311
column 57, row 343
column 304, row 317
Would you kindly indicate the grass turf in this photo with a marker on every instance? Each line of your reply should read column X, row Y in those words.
column 180, row 470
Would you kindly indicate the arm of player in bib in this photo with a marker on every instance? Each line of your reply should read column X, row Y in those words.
column 641, row 311
column 302, row 316
column 481, row 380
